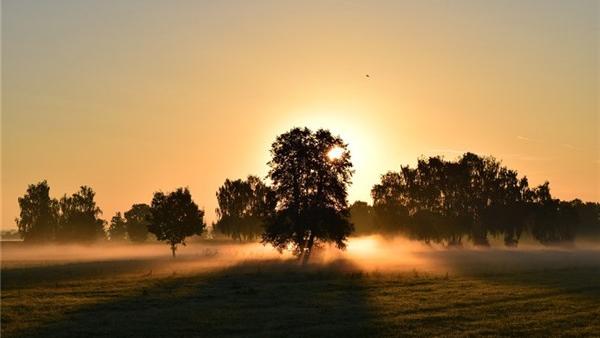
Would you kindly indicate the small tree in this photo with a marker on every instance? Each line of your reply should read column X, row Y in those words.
column 310, row 172
column 79, row 218
column 137, row 222
column 117, row 230
column 175, row 216
column 39, row 214
column 243, row 208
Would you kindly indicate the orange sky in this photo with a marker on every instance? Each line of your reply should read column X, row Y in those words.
column 131, row 97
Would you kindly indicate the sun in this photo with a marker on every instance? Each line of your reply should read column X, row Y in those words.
column 335, row 153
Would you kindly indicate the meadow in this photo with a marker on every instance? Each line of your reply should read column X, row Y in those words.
column 375, row 288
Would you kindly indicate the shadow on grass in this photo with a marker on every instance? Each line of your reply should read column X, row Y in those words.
column 23, row 277
column 253, row 299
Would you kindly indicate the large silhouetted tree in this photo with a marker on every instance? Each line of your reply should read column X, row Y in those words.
column 38, row 219
column 117, row 230
column 137, row 221
column 310, row 188
column 244, row 206
column 79, row 217
column 175, row 216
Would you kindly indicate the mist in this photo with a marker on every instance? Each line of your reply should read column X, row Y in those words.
column 366, row 254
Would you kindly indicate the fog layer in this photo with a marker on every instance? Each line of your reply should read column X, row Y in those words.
column 369, row 254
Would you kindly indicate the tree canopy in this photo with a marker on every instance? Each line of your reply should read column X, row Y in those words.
column 473, row 197
column 79, row 217
column 117, row 230
column 244, row 206
column 310, row 190
column 175, row 216
column 362, row 216
column 38, row 220
column 137, row 221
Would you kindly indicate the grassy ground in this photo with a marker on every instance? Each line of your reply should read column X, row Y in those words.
column 157, row 297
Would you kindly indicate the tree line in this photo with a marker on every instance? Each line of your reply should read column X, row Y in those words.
column 76, row 219
column 305, row 205
column 472, row 198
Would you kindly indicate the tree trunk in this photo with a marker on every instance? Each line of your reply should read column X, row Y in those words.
column 309, row 247
column 173, row 248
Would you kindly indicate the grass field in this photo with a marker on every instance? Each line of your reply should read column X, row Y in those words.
column 459, row 293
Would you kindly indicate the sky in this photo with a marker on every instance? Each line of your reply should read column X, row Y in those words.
column 131, row 97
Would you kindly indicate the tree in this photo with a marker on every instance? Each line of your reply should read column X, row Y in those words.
column 362, row 216
column 79, row 217
column 39, row 214
column 137, row 222
column 390, row 202
column 117, row 231
column 243, row 208
column 175, row 216
column 310, row 189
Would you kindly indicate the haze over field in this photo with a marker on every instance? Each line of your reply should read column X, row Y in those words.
column 365, row 254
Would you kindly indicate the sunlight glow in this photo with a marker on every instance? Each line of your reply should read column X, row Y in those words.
column 363, row 246
column 376, row 253
column 335, row 153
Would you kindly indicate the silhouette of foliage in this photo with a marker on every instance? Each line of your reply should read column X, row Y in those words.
column 310, row 190
column 362, row 216
column 474, row 197
column 79, row 221
column 175, row 216
column 117, row 230
column 555, row 222
column 38, row 219
column 137, row 219
column 438, row 201
column 243, row 208
column 588, row 214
